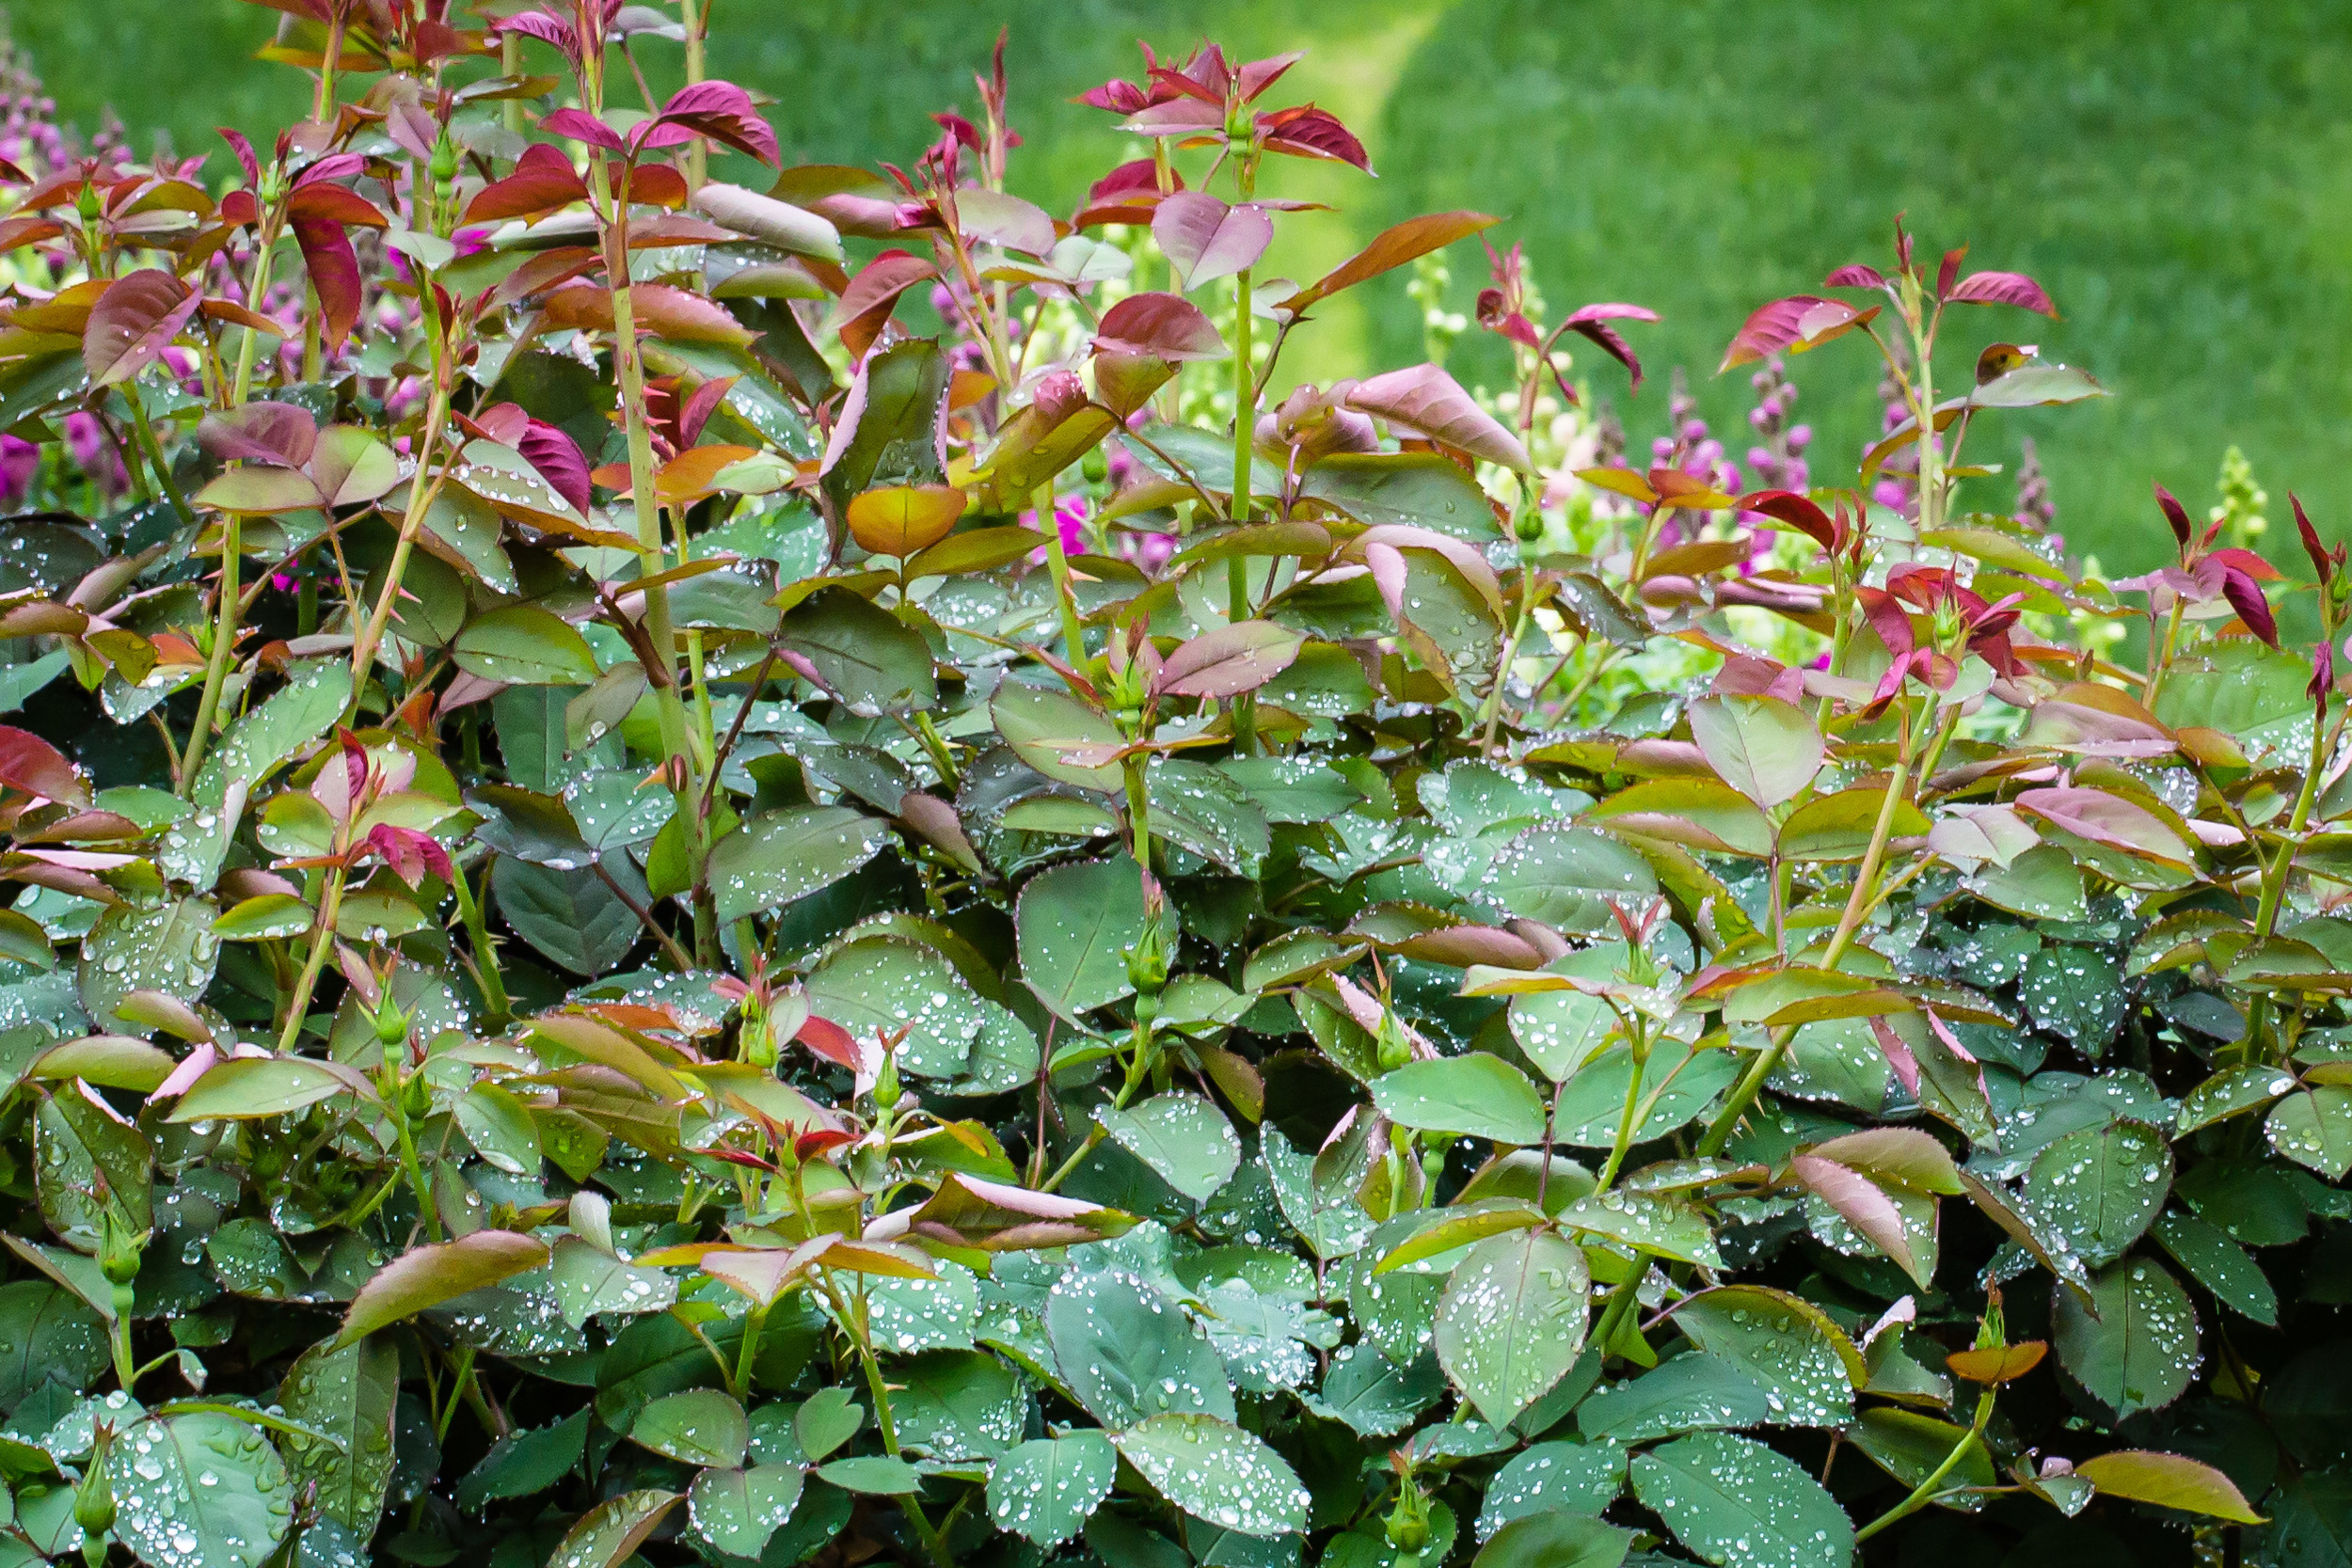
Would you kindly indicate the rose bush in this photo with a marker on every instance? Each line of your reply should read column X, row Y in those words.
column 739, row 866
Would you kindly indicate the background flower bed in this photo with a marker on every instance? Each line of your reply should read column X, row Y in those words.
column 786, row 875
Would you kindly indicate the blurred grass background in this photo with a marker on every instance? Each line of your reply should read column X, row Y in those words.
column 2175, row 175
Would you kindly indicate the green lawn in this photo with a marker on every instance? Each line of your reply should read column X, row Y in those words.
column 2175, row 175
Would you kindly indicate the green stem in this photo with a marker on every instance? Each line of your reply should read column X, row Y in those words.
column 1057, row 566
column 486, row 958
column 1857, row 903
column 2274, row 874
column 1139, row 813
column 1628, row 1121
column 628, row 368
column 421, row 494
column 1925, row 1492
column 321, row 939
column 1621, row 1303
column 145, row 429
column 225, row 635
column 740, row 1381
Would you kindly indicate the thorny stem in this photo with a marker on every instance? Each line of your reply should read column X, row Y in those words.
column 421, row 494
column 1244, row 434
column 486, row 957
column 854, row 1321
column 1858, row 904
column 322, row 940
column 1057, row 566
column 233, row 543
column 629, row 371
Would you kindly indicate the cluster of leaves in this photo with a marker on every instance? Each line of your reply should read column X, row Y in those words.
column 694, row 885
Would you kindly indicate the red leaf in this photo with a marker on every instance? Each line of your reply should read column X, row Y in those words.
column 873, row 295
column 829, row 1041
column 31, row 763
column 543, row 26
column 1392, row 248
column 1798, row 323
column 2322, row 562
column 1426, row 401
column 332, row 203
column 2246, row 597
column 1949, row 270
column 1206, row 240
column 1855, row 276
column 1228, row 661
column 280, row 433
column 1797, row 512
column 2003, row 288
column 724, row 113
column 1308, row 132
column 543, row 181
column 334, row 272
column 1591, row 321
column 133, row 322
column 579, row 125
column 556, row 458
column 1165, row 324
column 246, row 160
column 2177, row 515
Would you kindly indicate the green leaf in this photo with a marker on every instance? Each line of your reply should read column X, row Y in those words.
column 698, row 1426
column 1324, row 1212
column 1739, row 1504
column 1198, row 808
column 1561, row 1030
column 88, row 1161
column 199, row 1488
column 887, row 434
column 2220, row 1265
column 525, row 1462
column 610, row 1533
column 1911, row 1446
column 779, row 856
column 1126, row 1352
column 1566, row 1477
column 2314, row 1128
column 828, row 1419
column 169, row 948
column 875, row 1475
column 1378, row 1397
column 2097, row 1188
column 591, row 1282
column 426, row 1276
column 887, row 984
column 524, row 645
column 958, row 1404
column 1215, row 1471
column 907, row 1316
column 1561, row 876
column 1690, row 1393
column 870, row 658
column 1045, row 1489
column 1766, row 748
column 1513, row 1320
column 1422, row 489
column 1787, row 1347
column 2169, row 1480
column 250, row 1087
column 1479, row 1095
column 1185, row 1140
column 573, row 917
column 1647, row 1221
column 1557, row 1539
column 1076, row 923
column 2133, row 1346
column 1060, row 736
column 348, row 1395
column 736, row 1511
column 47, row 1337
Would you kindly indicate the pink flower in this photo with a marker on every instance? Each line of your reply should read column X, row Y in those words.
column 20, row 459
